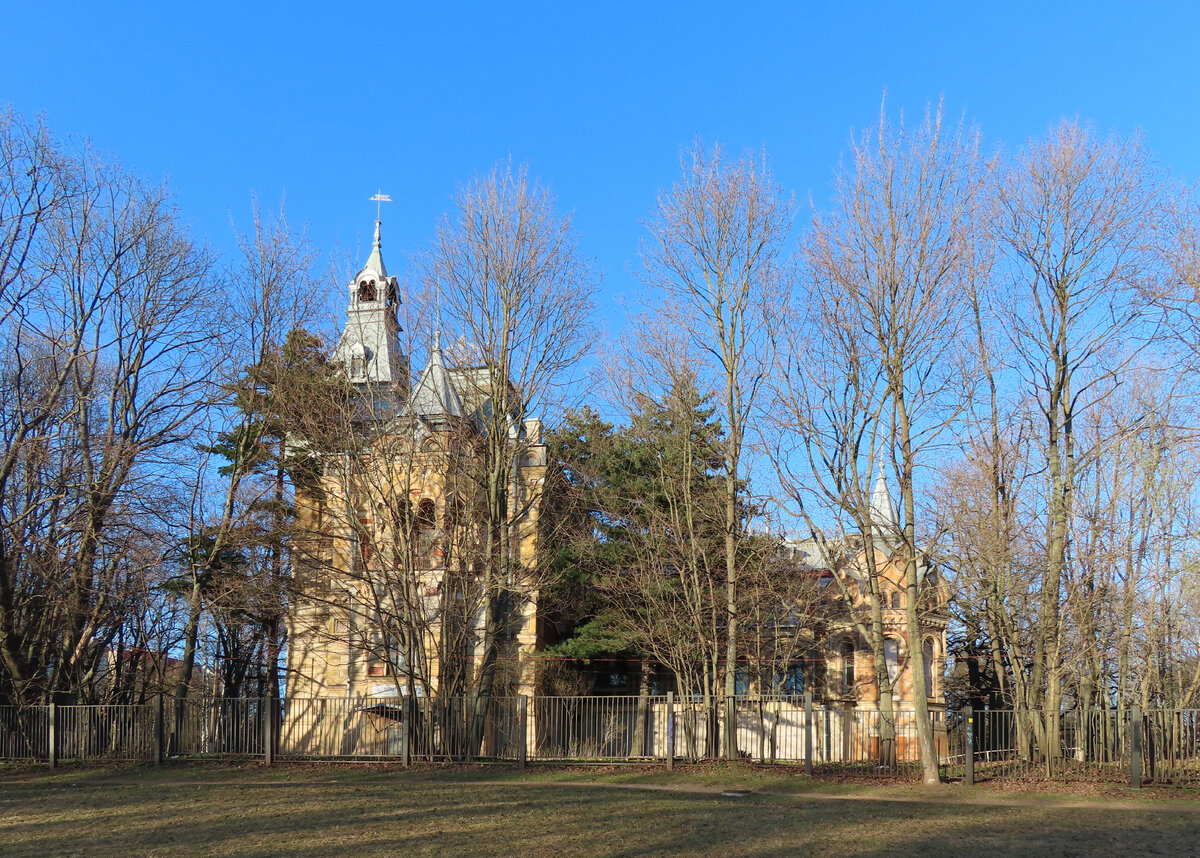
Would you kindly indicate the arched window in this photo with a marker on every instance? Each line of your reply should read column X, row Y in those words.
column 366, row 290
column 930, row 666
column 426, row 514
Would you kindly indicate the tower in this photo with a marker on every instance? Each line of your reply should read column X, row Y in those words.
column 393, row 591
column 369, row 347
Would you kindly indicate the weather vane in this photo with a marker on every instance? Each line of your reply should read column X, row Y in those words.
column 379, row 199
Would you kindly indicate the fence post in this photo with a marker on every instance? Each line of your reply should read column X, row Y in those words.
column 969, row 752
column 522, row 730
column 1135, row 746
column 731, row 746
column 848, row 733
column 268, row 704
column 158, row 729
column 808, row 732
column 406, row 730
column 53, row 736
column 670, row 730
column 469, row 720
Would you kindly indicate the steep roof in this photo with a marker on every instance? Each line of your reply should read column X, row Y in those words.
column 883, row 509
column 435, row 395
column 375, row 260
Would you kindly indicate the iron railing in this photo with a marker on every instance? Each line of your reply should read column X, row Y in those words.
column 1103, row 745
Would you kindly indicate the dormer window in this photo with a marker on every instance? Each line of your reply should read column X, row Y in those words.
column 366, row 290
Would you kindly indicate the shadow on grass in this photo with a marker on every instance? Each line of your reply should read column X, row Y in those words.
column 223, row 811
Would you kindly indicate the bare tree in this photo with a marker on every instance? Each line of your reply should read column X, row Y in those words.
column 234, row 558
column 107, row 322
column 887, row 269
column 516, row 292
column 716, row 251
column 1074, row 221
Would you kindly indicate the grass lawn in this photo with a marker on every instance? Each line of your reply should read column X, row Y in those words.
column 364, row 811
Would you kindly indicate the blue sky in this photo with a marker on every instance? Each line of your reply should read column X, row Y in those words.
column 326, row 103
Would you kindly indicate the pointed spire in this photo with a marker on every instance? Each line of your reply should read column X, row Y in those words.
column 371, row 333
column 375, row 260
column 435, row 395
column 883, row 508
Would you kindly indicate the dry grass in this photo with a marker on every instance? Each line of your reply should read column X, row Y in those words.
column 326, row 810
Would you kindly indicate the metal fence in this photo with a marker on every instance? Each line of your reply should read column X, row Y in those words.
column 1101, row 746
column 104, row 732
column 975, row 745
column 24, row 732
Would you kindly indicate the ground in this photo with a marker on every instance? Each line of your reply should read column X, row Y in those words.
column 299, row 810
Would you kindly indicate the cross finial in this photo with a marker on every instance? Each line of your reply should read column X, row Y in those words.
column 379, row 199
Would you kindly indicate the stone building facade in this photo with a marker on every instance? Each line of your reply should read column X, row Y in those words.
column 391, row 595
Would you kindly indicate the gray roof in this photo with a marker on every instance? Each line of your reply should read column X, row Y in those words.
column 375, row 260
column 435, row 394
column 369, row 346
column 883, row 509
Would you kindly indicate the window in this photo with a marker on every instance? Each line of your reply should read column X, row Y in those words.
column 358, row 360
column 846, row 657
column 426, row 514
column 791, row 681
column 897, row 601
column 385, row 656
column 927, row 650
column 366, row 290
column 427, row 530
column 891, row 655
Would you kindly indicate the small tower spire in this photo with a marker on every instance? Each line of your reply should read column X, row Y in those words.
column 883, row 508
column 375, row 260
column 369, row 346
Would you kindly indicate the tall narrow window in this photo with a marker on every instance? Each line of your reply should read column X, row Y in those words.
column 846, row 654
column 426, row 529
column 365, row 535
column 358, row 360
column 928, row 650
column 891, row 655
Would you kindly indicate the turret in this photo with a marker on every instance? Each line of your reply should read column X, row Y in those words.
column 369, row 347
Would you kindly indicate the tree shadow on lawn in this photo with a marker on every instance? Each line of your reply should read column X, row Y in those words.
column 394, row 816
